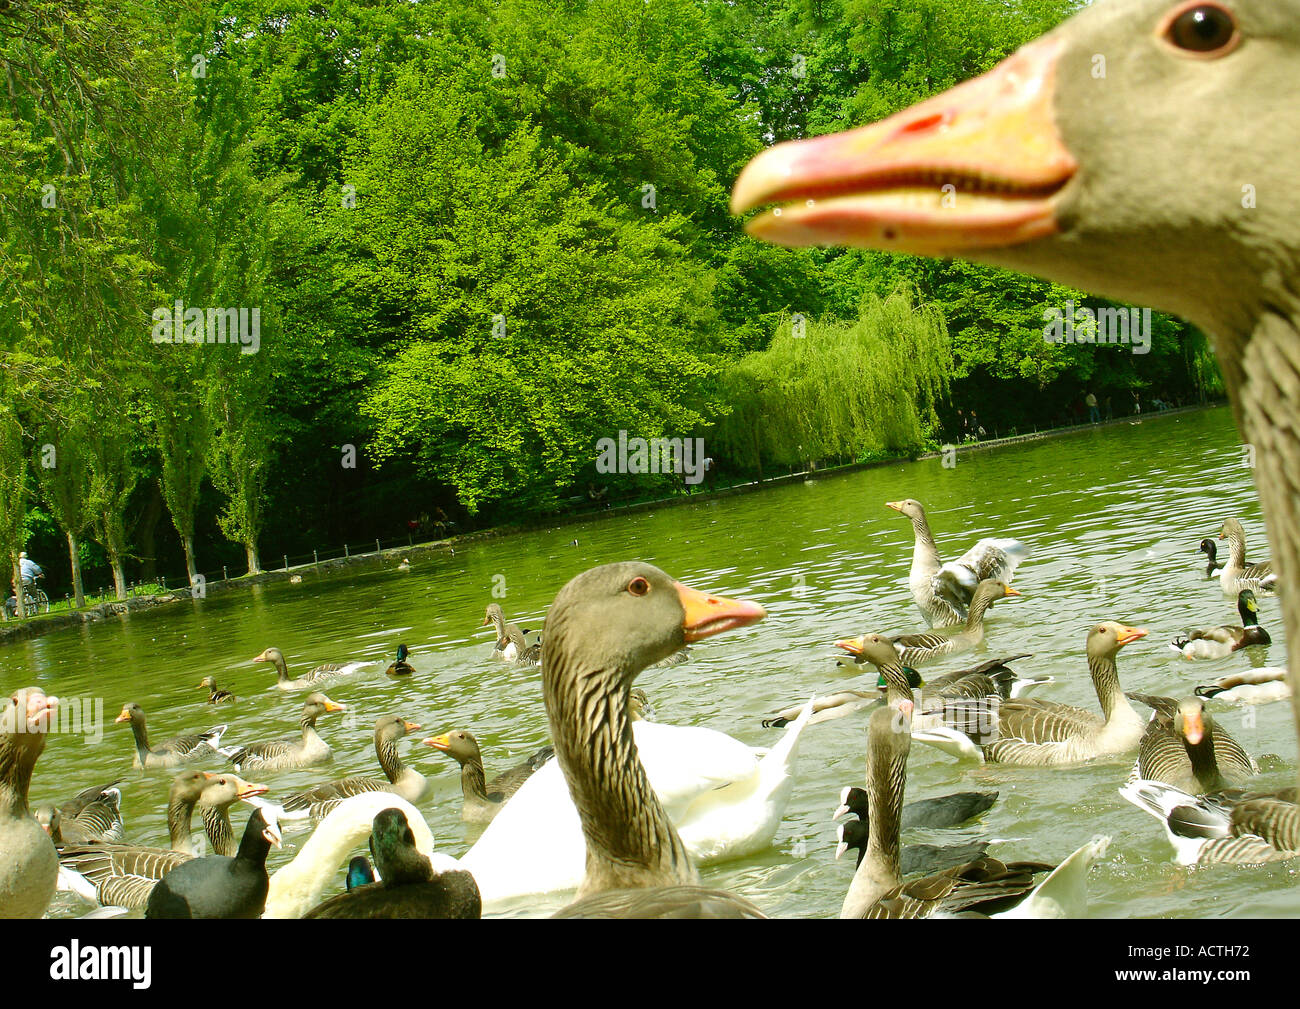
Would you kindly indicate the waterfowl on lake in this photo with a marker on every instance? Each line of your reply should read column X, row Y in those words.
column 511, row 642
column 99, row 819
column 1237, row 575
column 171, row 752
column 408, row 885
column 399, row 779
column 29, row 867
column 299, row 885
column 918, row 649
column 215, row 696
column 359, row 872
column 943, row 592
column 220, row 792
column 323, row 674
column 220, row 886
column 481, row 799
column 1212, row 563
column 604, row 627
column 123, row 875
column 400, row 666
column 302, row 751
column 914, row 858
column 1250, row 686
column 1214, row 829
column 941, row 811
column 1038, row 733
column 1065, row 198
column 1185, row 747
column 521, row 651
column 982, row 886
column 1216, row 642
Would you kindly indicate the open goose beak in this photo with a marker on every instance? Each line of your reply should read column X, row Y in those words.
column 331, row 706
column 439, row 742
column 410, row 726
column 896, row 505
column 272, row 834
column 976, row 167
column 36, row 710
column 707, row 615
column 851, row 645
column 1012, row 592
column 125, row 716
column 248, row 789
column 1128, row 635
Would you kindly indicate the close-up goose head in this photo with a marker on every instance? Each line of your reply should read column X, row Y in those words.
column 1108, row 637
column 1191, row 720
column 632, row 616
column 874, row 648
column 908, row 506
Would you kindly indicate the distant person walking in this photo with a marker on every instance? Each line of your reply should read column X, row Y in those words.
column 1137, row 402
column 1094, row 415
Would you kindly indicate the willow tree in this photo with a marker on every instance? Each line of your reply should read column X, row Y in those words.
column 839, row 389
column 113, row 476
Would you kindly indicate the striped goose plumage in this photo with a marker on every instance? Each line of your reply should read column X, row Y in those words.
column 1185, row 747
column 1237, row 574
column 281, row 754
column 1224, row 828
column 917, row 649
column 172, row 752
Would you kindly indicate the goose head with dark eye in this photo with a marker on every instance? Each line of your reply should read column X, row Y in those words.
column 1200, row 29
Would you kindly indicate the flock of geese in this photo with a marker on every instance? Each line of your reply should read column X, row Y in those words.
column 621, row 808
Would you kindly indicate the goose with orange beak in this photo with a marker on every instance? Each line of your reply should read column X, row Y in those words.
column 1145, row 151
column 1185, row 747
column 1038, row 733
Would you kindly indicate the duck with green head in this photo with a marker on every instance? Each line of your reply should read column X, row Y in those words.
column 1216, row 642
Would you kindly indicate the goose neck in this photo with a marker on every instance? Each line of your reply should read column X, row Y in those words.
column 389, row 759
column 630, row 841
column 473, row 779
column 1105, row 679
column 216, row 824
column 180, row 815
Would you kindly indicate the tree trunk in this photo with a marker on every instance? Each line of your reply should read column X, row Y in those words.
column 191, row 571
column 147, row 534
column 78, row 593
column 119, row 576
column 18, row 590
column 254, row 566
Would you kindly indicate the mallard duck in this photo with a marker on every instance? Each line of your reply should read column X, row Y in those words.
column 918, row 649
column 481, row 799
column 280, row 754
column 220, row 886
column 215, row 696
column 1040, row 733
column 982, row 886
column 400, row 666
column 1216, row 642
column 30, row 866
column 408, row 886
column 1250, row 686
column 172, row 752
column 1237, row 574
column 1219, row 828
column 1135, row 190
column 405, row 781
column 943, row 592
column 1185, row 747
column 323, row 674
column 359, row 873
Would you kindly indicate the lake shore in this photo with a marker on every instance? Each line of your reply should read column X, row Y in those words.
column 17, row 630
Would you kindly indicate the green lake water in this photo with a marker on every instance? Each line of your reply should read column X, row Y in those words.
column 1113, row 518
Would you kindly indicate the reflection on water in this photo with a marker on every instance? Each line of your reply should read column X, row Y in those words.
column 1113, row 517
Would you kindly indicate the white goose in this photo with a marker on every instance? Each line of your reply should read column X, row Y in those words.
column 725, row 799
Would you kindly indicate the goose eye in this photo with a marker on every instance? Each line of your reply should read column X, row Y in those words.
column 1205, row 28
column 638, row 586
